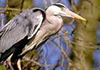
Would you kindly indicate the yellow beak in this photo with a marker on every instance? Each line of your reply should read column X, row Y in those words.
column 73, row 15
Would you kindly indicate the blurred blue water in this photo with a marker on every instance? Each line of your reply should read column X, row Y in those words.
column 3, row 4
column 98, row 33
column 76, row 2
column 39, row 3
column 96, row 56
column 50, row 53
column 42, row 3
column 97, row 60
column 2, row 16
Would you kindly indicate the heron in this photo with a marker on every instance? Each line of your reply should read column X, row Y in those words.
column 30, row 29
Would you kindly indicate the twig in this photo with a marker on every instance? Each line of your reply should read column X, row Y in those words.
column 22, row 4
column 66, row 56
column 15, row 9
column 37, row 63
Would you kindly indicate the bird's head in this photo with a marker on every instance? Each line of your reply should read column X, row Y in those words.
column 61, row 10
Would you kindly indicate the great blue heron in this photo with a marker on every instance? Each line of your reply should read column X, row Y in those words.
column 31, row 28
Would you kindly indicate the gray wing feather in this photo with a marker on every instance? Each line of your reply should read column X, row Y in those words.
column 25, row 24
column 40, row 18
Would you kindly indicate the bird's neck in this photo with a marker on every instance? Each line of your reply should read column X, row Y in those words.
column 54, row 22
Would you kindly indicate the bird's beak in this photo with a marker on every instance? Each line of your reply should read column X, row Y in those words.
column 68, row 13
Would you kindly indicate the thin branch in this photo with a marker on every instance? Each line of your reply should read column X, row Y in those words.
column 22, row 4
column 15, row 9
column 37, row 63
column 66, row 56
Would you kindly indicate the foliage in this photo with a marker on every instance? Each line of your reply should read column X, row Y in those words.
column 85, row 36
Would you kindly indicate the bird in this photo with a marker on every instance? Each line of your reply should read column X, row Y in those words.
column 17, row 32
column 30, row 29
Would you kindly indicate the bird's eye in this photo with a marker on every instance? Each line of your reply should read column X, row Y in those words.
column 58, row 15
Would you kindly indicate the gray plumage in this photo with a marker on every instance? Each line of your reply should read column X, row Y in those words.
column 24, row 25
column 51, row 25
column 31, row 28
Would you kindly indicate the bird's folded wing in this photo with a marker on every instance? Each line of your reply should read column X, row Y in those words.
column 25, row 24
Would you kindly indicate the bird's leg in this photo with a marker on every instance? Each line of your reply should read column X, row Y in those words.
column 19, row 64
column 9, row 62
